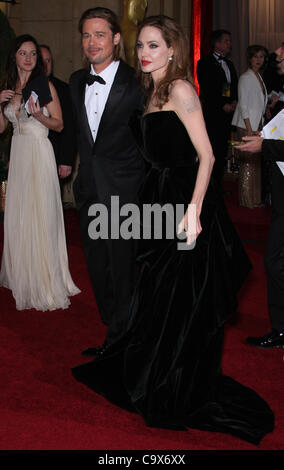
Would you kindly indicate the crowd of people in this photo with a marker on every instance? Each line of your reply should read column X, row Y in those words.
column 147, row 139
column 235, row 107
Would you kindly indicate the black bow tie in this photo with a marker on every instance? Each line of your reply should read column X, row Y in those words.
column 220, row 58
column 90, row 79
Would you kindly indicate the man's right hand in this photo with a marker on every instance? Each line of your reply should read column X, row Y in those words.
column 230, row 107
column 251, row 144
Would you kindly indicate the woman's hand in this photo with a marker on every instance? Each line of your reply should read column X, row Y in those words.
column 6, row 95
column 191, row 224
column 54, row 121
column 34, row 109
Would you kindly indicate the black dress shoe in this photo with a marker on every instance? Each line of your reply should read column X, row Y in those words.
column 95, row 352
column 274, row 339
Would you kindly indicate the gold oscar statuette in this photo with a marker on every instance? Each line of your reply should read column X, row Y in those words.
column 133, row 13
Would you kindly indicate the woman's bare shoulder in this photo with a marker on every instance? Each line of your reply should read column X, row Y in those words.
column 182, row 87
column 183, row 94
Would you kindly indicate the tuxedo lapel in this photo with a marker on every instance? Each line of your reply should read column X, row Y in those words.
column 82, row 109
column 232, row 69
column 219, row 67
column 116, row 93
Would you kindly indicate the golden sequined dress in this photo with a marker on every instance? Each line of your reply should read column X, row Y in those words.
column 249, row 179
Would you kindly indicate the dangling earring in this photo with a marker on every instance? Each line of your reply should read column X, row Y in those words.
column 171, row 58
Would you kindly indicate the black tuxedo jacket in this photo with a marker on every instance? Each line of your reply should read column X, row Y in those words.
column 273, row 150
column 211, row 79
column 113, row 164
column 64, row 142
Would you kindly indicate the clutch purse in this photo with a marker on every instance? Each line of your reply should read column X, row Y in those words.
column 39, row 85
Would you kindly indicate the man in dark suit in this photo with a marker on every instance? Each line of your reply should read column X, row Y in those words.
column 273, row 151
column 110, row 163
column 64, row 142
column 218, row 84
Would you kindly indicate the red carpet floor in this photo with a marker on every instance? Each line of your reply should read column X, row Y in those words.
column 43, row 407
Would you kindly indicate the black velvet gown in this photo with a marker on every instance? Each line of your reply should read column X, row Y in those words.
column 167, row 367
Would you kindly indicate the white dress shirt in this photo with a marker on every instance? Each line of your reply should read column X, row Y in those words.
column 224, row 66
column 96, row 96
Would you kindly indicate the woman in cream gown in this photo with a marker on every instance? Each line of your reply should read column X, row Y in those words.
column 34, row 261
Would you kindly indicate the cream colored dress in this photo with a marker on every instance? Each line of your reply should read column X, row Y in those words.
column 34, row 262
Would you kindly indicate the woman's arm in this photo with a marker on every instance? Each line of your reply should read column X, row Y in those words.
column 244, row 85
column 244, row 89
column 3, row 121
column 186, row 104
column 248, row 126
column 54, row 121
column 5, row 95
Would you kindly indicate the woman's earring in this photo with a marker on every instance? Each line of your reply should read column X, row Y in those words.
column 171, row 58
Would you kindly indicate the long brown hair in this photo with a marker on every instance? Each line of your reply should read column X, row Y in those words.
column 178, row 67
column 11, row 74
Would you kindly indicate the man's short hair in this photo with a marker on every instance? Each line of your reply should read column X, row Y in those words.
column 105, row 14
column 45, row 47
column 217, row 36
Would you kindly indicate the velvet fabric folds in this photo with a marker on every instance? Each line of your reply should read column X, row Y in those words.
column 168, row 365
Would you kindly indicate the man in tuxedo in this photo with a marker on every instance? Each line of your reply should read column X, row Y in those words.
column 64, row 142
column 273, row 150
column 105, row 95
column 218, row 84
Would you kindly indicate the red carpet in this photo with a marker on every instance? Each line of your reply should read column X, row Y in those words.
column 43, row 407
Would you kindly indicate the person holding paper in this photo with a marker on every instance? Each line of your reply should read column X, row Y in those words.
column 273, row 150
column 34, row 262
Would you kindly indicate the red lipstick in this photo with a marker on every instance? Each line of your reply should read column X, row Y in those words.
column 145, row 62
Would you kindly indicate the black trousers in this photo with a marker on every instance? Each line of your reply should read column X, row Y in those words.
column 274, row 255
column 111, row 266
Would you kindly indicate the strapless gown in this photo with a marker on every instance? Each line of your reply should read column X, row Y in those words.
column 168, row 365
column 34, row 261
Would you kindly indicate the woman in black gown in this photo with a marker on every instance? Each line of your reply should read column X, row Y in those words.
column 168, row 365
